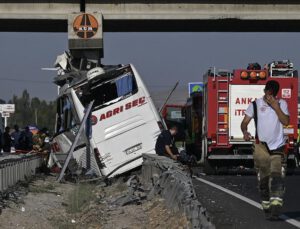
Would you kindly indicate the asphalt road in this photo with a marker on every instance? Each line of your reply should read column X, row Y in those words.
column 228, row 211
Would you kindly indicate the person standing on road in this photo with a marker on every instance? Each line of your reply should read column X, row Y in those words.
column 26, row 141
column 165, row 144
column 270, row 115
column 16, row 136
column 7, row 140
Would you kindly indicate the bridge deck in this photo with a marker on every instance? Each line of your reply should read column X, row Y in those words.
column 154, row 15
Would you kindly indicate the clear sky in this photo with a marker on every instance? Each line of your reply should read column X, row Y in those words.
column 161, row 58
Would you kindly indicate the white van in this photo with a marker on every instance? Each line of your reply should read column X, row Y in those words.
column 125, row 122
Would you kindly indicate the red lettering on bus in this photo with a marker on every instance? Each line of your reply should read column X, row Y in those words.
column 102, row 116
column 127, row 106
column 135, row 103
column 116, row 111
column 109, row 114
column 142, row 100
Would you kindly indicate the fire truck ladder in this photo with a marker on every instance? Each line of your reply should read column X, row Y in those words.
column 222, row 108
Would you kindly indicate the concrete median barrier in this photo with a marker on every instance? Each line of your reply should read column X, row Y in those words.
column 168, row 179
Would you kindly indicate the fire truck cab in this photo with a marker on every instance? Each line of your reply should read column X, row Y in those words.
column 226, row 96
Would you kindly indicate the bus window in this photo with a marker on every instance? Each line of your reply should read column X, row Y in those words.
column 108, row 92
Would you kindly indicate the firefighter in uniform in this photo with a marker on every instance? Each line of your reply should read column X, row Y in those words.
column 270, row 114
column 165, row 143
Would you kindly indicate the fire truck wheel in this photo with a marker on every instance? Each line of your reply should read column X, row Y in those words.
column 208, row 168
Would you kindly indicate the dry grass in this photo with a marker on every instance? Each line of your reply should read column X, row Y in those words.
column 47, row 188
column 80, row 197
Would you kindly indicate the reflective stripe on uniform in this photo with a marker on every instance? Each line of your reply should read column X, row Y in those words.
column 265, row 204
column 276, row 201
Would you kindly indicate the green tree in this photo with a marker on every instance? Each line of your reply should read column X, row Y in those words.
column 33, row 111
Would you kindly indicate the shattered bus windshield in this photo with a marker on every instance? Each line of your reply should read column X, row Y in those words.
column 108, row 92
column 65, row 119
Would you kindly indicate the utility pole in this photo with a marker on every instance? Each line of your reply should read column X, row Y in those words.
column 36, row 120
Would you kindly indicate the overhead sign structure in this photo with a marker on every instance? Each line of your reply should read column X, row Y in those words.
column 85, row 35
column 195, row 87
column 85, row 26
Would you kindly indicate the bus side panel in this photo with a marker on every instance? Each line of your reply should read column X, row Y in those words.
column 126, row 135
column 143, row 87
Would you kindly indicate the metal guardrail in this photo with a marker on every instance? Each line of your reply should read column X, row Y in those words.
column 17, row 169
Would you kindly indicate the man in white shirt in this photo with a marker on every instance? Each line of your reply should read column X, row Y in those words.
column 271, row 114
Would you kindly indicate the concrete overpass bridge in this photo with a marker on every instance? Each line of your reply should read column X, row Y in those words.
column 154, row 15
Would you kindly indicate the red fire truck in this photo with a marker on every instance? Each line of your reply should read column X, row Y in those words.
column 172, row 112
column 226, row 96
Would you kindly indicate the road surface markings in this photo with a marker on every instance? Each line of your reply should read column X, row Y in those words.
column 247, row 200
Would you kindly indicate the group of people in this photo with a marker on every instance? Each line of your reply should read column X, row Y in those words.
column 22, row 141
column 270, row 115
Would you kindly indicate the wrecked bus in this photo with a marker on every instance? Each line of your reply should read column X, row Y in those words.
column 125, row 122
